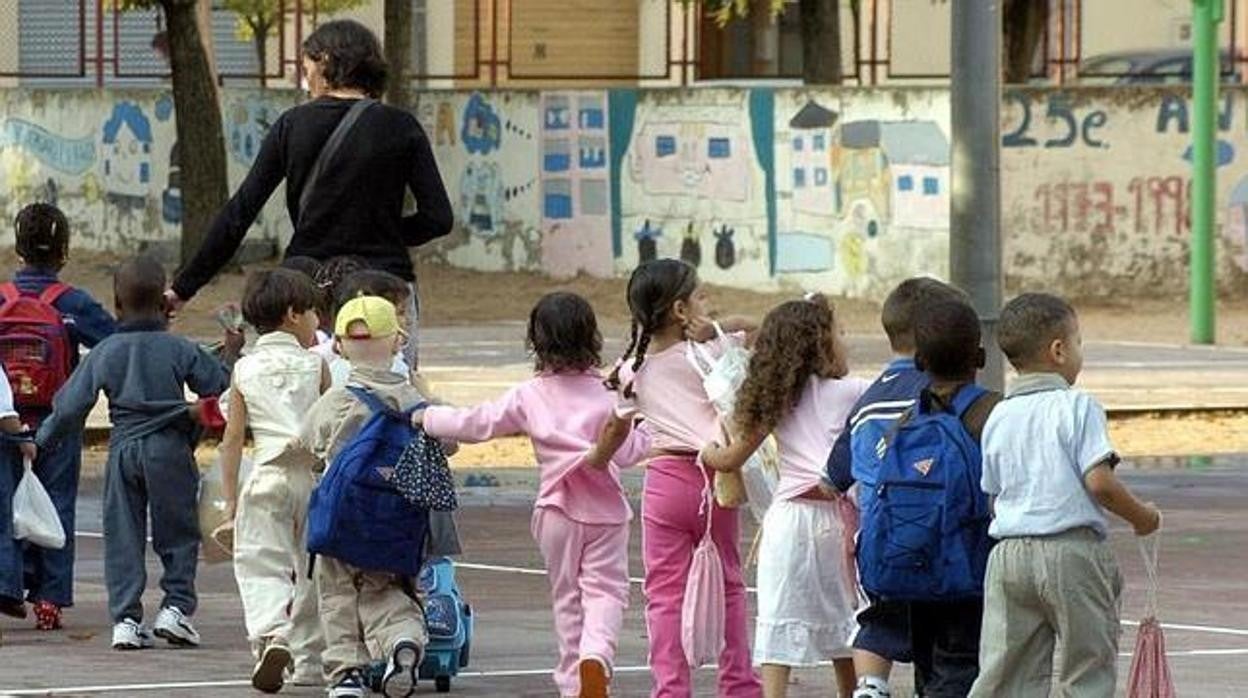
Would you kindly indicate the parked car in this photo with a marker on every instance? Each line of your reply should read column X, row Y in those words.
column 1150, row 67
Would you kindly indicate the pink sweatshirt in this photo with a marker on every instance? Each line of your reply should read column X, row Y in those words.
column 563, row 415
column 669, row 394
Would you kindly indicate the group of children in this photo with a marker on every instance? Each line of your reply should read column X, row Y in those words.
column 1041, row 457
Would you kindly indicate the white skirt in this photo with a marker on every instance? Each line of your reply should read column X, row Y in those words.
column 805, row 600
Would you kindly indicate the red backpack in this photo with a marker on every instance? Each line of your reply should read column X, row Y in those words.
column 34, row 345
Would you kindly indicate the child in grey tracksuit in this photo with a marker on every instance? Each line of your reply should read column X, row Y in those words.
column 144, row 370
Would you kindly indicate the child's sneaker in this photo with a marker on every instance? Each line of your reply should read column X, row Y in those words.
column 872, row 687
column 129, row 634
column 47, row 616
column 173, row 627
column 351, row 685
column 595, row 678
column 269, row 674
column 401, row 671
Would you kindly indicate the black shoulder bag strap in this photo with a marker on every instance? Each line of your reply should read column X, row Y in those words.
column 332, row 144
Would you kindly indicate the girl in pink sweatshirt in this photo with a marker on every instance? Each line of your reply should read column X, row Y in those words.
column 580, row 519
column 659, row 383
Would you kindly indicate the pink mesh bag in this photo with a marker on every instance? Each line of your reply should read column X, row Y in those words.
column 1150, row 672
column 702, row 614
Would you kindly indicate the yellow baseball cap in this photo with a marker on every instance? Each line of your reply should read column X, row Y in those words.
column 377, row 315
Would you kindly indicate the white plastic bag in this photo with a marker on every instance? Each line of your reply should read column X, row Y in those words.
column 34, row 517
column 722, row 378
column 217, row 548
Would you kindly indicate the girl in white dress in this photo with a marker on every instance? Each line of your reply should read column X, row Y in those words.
column 797, row 390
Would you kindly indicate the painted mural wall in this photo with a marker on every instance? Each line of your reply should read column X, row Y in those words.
column 844, row 191
column 1097, row 190
column 110, row 160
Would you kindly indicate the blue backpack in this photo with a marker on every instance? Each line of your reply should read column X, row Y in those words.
column 924, row 536
column 357, row 515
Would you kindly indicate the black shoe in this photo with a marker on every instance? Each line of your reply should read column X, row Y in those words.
column 14, row 608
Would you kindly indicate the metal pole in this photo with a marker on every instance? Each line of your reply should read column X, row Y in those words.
column 1206, row 14
column 975, row 222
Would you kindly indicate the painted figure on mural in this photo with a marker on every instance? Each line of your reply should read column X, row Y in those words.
column 725, row 249
column 444, row 129
column 127, row 160
column 481, row 198
column 690, row 248
column 482, row 130
column 647, row 245
column 250, row 119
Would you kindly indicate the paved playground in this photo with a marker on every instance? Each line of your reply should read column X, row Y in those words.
column 1204, row 601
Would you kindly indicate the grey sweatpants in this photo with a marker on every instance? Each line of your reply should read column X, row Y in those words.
column 155, row 472
column 1039, row 590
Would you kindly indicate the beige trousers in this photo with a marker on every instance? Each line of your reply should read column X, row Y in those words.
column 271, row 563
column 1040, row 591
column 363, row 615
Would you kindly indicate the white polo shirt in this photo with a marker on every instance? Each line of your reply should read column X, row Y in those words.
column 1037, row 448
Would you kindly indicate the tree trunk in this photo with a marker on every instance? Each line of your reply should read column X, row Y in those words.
column 199, row 128
column 821, row 42
column 1023, row 23
column 260, row 42
column 398, row 44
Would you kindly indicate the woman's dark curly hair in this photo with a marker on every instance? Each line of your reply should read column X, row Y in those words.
column 350, row 56
column 798, row 339
column 563, row 334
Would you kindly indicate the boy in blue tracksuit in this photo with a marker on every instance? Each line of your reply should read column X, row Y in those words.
column 889, row 631
column 42, row 241
column 145, row 371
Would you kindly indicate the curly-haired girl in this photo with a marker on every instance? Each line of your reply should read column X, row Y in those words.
column 796, row 388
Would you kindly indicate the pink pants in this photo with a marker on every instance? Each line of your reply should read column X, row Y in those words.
column 671, row 528
column 588, row 569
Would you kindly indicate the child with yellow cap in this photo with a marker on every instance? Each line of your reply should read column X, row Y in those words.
column 362, row 609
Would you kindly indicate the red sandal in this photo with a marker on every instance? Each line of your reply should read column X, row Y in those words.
column 47, row 616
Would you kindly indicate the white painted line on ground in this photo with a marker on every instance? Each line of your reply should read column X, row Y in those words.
column 485, row 675
column 537, row 572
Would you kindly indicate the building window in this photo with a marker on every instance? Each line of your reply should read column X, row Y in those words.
column 931, row 186
column 905, row 183
column 820, row 142
column 799, row 178
column 664, row 146
column 821, row 176
column 718, row 148
column 797, row 144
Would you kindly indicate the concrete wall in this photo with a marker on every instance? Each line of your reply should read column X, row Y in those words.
column 845, row 191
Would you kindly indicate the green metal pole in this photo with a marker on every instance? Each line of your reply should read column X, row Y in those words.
column 1206, row 14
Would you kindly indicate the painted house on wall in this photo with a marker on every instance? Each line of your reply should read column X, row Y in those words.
column 127, row 160
column 810, row 145
column 892, row 173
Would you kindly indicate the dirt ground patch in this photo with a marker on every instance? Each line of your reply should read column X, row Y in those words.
column 462, row 297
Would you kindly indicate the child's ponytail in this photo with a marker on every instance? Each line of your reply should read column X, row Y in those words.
column 613, row 379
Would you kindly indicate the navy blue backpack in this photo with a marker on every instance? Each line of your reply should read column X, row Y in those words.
column 357, row 515
column 924, row 537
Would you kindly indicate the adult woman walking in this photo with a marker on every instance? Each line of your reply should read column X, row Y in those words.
column 355, row 201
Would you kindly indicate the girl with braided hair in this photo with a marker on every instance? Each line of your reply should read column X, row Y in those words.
column 657, row 382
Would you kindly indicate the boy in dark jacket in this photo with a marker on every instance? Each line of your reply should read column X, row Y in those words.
column 41, row 234
column 144, row 370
